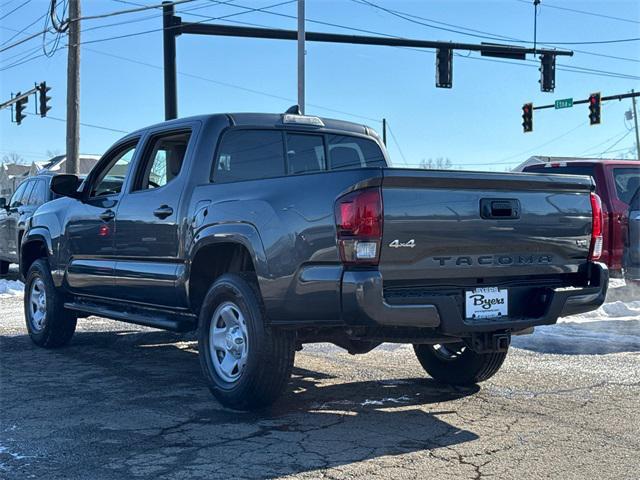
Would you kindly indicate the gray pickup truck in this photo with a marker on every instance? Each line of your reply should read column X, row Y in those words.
column 264, row 232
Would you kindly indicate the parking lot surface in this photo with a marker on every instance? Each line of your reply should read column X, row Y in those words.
column 129, row 402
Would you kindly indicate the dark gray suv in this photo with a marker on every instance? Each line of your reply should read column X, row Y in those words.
column 16, row 211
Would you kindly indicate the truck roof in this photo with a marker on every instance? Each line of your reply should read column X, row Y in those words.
column 270, row 120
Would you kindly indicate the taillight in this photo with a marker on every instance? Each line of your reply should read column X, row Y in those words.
column 596, row 228
column 359, row 226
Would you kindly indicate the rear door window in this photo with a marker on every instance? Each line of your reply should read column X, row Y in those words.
column 249, row 155
column 305, row 153
column 353, row 152
column 16, row 198
column 24, row 200
column 627, row 181
column 38, row 194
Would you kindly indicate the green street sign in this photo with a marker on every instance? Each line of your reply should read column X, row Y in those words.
column 564, row 103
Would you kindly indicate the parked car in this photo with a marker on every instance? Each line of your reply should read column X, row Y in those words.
column 616, row 182
column 266, row 231
column 16, row 211
column 632, row 252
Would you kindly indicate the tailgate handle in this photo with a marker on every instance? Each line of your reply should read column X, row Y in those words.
column 499, row 208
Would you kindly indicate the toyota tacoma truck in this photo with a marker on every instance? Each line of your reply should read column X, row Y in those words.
column 263, row 232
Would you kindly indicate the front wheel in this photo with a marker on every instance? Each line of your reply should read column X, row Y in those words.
column 247, row 364
column 49, row 324
column 457, row 364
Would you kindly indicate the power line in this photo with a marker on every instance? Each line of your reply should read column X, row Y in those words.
column 130, row 10
column 583, row 12
column 486, row 35
column 395, row 140
column 15, row 9
column 617, row 142
column 25, row 28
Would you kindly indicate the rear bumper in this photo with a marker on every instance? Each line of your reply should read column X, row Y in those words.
column 364, row 304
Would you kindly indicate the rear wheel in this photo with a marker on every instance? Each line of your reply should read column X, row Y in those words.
column 247, row 365
column 4, row 267
column 49, row 324
column 457, row 364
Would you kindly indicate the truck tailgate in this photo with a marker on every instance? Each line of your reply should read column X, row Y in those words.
column 440, row 226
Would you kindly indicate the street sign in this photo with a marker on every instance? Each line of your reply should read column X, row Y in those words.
column 564, row 103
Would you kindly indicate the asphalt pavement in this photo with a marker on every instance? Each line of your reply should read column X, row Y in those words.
column 126, row 402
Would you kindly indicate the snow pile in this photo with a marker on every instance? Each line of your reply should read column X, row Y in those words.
column 9, row 288
column 612, row 328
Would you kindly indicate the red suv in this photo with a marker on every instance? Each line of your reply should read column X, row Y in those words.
column 616, row 181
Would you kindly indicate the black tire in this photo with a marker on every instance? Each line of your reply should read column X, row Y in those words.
column 270, row 354
column 58, row 324
column 457, row 364
column 4, row 267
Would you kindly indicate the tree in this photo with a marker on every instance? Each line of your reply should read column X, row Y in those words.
column 439, row 163
column 52, row 153
column 12, row 157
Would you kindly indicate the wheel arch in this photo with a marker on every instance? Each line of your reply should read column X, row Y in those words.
column 220, row 249
column 36, row 243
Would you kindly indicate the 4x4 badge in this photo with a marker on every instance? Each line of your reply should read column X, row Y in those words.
column 398, row 244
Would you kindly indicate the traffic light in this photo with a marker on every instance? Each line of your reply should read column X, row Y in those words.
column 44, row 99
column 20, row 115
column 594, row 108
column 444, row 67
column 547, row 72
column 527, row 117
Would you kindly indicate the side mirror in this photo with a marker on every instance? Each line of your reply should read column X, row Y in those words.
column 3, row 202
column 66, row 185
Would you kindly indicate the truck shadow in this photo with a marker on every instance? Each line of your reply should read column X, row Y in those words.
column 138, row 402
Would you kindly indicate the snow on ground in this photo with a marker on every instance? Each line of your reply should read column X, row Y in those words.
column 9, row 288
column 612, row 328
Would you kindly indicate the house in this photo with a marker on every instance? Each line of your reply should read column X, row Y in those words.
column 11, row 174
column 58, row 164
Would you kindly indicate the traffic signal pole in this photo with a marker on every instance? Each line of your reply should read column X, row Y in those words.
column 174, row 26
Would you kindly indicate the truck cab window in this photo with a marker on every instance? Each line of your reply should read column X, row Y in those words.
column 354, row 152
column 111, row 178
column 249, row 155
column 163, row 160
column 305, row 153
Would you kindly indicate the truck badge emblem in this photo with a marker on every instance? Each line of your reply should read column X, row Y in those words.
column 397, row 244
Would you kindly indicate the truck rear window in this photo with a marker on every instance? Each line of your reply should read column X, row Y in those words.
column 255, row 154
column 353, row 152
column 627, row 182
column 249, row 155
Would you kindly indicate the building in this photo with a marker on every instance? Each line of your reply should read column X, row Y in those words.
column 11, row 174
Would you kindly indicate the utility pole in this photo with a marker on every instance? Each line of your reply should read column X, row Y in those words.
column 73, row 88
column 170, row 72
column 635, row 121
column 301, row 65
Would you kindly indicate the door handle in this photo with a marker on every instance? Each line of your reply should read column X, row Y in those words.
column 163, row 212
column 107, row 215
column 500, row 208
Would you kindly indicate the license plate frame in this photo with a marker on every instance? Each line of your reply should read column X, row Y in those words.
column 486, row 303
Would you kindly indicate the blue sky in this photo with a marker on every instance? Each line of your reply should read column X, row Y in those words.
column 476, row 124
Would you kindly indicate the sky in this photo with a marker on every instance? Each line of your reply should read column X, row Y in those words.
column 476, row 124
